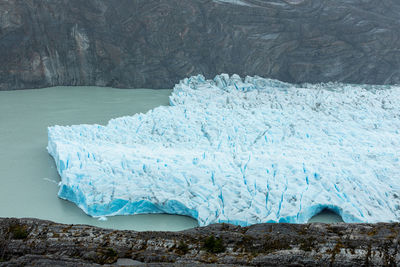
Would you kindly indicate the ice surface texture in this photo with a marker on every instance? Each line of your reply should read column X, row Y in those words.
column 241, row 151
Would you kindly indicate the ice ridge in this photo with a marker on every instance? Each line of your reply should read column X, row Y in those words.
column 241, row 151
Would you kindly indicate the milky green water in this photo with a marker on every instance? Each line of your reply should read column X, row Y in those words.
column 28, row 176
column 326, row 216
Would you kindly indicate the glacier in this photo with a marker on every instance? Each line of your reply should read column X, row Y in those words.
column 241, row 151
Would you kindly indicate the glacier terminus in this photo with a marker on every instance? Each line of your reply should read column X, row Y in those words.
column 241, row 151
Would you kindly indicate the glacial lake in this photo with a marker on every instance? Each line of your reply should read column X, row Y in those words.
column 28, row 175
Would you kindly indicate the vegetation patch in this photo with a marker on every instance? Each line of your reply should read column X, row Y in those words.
column 106, row 256
column 336, row 250
column 213, row 245
column 303, row 230
column 246, row 243
column 110, row 252
column 307, row 244
column 335, row 229
column 18, row 231
column 182, row 248
column 373, row 232
column 277, row 244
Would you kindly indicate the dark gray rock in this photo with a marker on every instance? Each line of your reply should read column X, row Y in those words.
column 155, row 43
column 28, row 242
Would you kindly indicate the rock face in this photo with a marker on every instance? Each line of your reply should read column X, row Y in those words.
column 28, row 242
column 153, row 44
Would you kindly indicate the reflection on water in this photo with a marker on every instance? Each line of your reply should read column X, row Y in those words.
column 326, row 216
column 28, row 174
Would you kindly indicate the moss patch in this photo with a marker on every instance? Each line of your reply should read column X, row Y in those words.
column 18, row 231
column 182, row 248
column 106, row 256
column 275, row 244
column 307, row 244
column 373, row 232
column 213, row 245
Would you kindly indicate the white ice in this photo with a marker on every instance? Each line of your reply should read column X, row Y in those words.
column 241, row 151
column 235, row 2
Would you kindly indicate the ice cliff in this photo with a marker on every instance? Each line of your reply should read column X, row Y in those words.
column 241, row 151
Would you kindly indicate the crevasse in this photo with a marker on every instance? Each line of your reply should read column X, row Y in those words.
column 242, row 151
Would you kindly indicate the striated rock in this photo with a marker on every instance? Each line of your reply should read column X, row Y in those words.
column 149, row 43
column 43, row 243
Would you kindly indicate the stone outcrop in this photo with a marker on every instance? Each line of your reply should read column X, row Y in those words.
column 155, row 43
column 27, row 242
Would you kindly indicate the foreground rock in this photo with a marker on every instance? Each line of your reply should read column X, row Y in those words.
column 44, row 243
column 150, row 43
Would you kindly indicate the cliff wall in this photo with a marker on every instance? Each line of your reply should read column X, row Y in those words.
column 155, row 43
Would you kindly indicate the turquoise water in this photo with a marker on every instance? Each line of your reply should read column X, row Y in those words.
column 28, row 174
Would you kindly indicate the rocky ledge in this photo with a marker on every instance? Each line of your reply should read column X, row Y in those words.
column 155, row 43
column 26, row 242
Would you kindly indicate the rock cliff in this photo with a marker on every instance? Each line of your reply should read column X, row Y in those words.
column 28, row 242
column 155, row 43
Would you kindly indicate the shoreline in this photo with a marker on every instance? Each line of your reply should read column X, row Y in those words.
column 37, row 242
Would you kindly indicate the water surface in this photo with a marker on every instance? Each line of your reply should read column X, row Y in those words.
column 28, row 174
column 326, row 216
